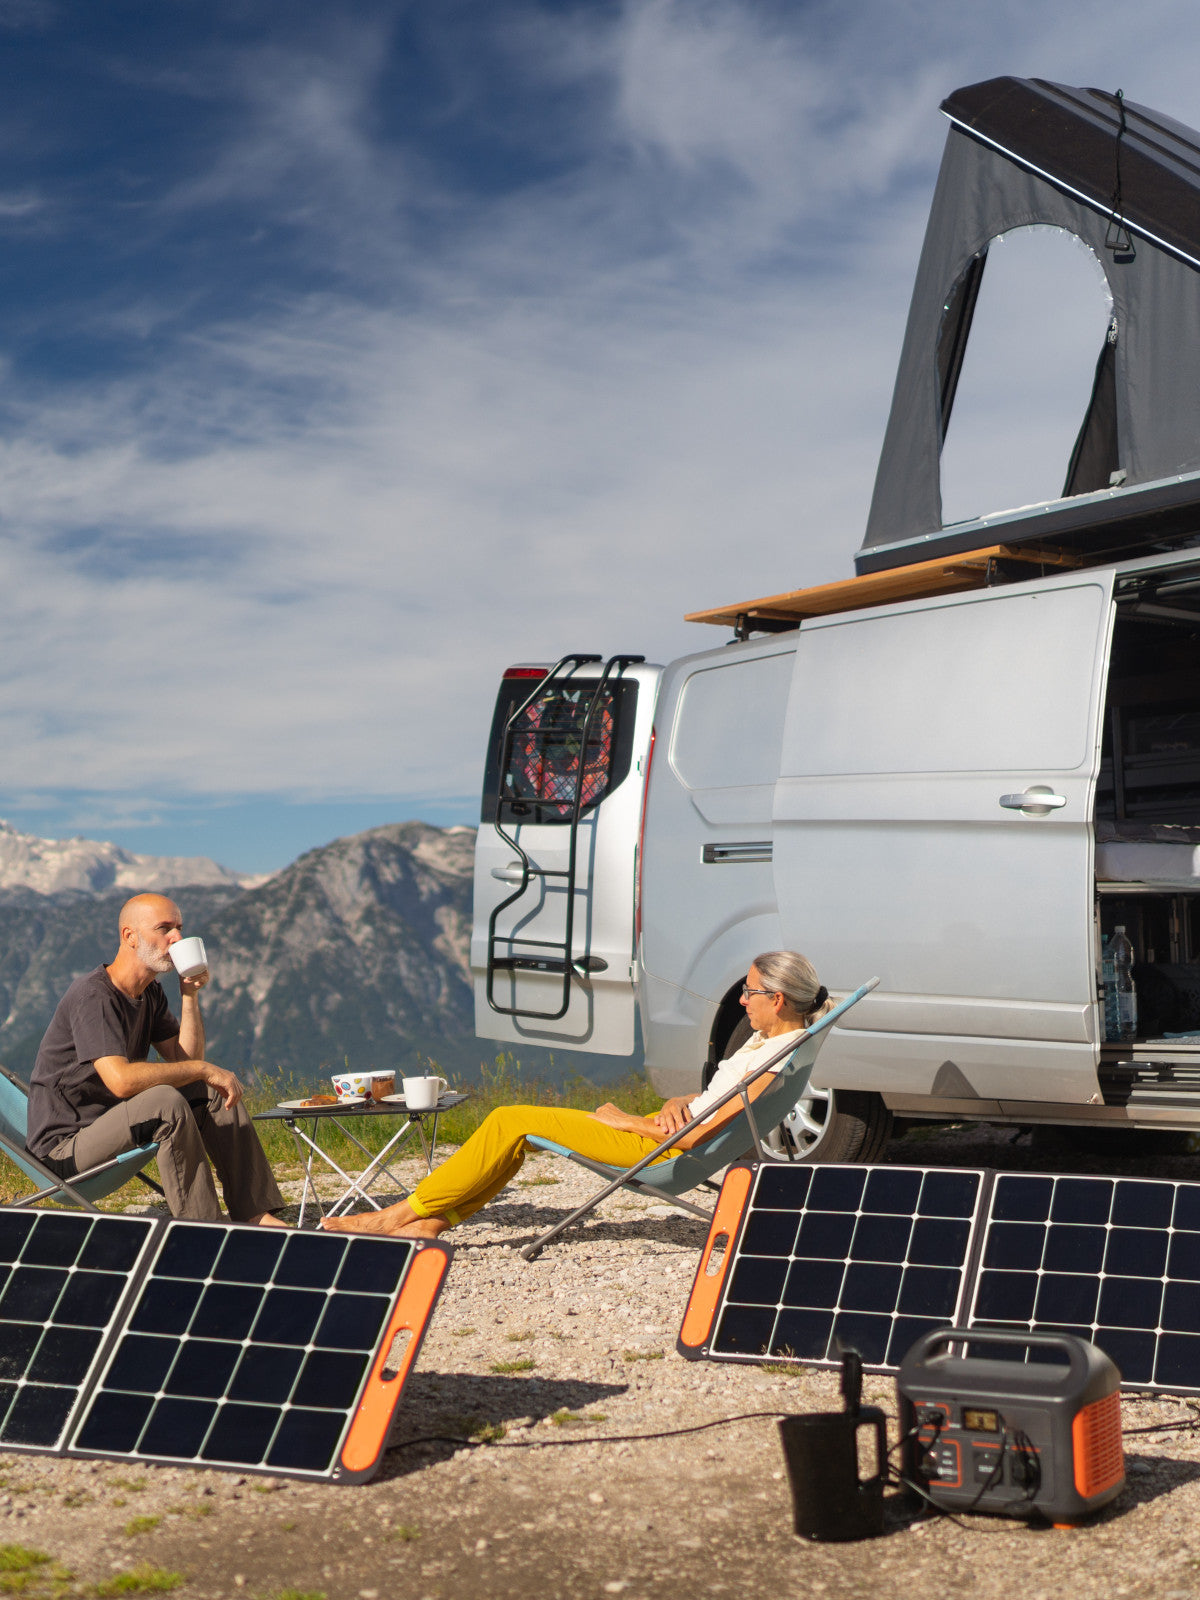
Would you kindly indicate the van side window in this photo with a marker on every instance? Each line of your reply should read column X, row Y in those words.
column 534, row 771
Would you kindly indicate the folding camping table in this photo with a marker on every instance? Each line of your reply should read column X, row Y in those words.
column 342, row 1119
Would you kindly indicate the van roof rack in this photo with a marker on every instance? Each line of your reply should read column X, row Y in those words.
column 974, row 569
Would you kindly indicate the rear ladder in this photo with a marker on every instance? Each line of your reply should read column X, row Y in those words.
column 547, row 955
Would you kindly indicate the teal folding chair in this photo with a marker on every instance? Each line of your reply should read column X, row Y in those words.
column 86, row 1187
column 670, row 1179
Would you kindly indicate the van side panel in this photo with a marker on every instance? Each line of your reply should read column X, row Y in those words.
column 708, row 885
column 899, row 850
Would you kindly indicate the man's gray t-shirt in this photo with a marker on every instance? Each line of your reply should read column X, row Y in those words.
column 93, row 1019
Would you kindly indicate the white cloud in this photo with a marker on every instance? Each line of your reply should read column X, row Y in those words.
column 294, row 551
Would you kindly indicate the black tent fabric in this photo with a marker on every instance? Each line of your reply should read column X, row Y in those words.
column 1126, row 181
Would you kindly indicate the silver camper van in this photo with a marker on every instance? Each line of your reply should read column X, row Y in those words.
column 961, row 770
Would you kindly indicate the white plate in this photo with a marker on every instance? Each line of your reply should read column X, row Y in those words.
column 399, row 1100
column 300, row 1105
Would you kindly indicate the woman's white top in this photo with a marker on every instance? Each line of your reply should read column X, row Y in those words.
column 739, row 1065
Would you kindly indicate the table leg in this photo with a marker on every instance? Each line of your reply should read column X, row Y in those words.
column 300, row 1139
column 378, row 1164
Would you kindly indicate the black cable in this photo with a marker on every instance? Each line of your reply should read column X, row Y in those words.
column 607, row 1438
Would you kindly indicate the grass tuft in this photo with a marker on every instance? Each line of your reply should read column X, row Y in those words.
column 142, row 1579
column 644, row 1355
column 524, row 1364
column 137, row 1525
column 18, row 1558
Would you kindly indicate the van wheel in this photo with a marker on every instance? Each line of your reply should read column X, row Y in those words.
column 838, row 1125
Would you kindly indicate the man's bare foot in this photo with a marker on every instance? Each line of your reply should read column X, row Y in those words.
column 389, row 1224
column 266, row 1219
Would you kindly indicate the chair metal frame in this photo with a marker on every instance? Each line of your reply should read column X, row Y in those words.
column 83, row 1188
column 695, row 1167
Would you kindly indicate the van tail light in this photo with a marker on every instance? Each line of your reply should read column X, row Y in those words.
column 524, row 672
column 637, row 885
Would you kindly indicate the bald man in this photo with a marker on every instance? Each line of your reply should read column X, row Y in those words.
column 94, row 1093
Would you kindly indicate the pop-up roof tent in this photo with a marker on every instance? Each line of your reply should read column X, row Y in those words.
column 1022, row 152
column 1126, row 181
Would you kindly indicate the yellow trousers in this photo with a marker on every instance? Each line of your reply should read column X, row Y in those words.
column 492, row 1156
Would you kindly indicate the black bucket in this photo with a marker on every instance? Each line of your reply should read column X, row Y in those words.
column 829, row 1499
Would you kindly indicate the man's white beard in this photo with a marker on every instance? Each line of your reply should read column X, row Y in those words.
column 147, row 957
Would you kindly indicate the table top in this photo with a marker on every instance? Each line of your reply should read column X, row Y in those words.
column 370, row 1108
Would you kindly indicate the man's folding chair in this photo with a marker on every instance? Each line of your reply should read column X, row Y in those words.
column 86, row 1187
column 670, row 1179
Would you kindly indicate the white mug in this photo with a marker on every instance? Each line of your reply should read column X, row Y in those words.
column 189, row 957
column 422, row 1094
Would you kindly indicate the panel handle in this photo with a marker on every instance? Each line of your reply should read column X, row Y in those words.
column 1036, row 801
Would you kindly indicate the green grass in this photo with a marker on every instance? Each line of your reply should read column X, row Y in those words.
column 644, row 1355
column 297, row 1594
column 17, row 1558
column 137, row 1525
column 501, row 1084
column 142, row 1579
column 525, row 1364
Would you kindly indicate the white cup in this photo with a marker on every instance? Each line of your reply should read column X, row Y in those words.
column 189, row 957
column 422, row 1094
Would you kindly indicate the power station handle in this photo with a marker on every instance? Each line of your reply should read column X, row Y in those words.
column 1065, row 1343
column 508, row 874
column 1033, row 799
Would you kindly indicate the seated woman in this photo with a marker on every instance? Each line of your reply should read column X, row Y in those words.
column 782, row 996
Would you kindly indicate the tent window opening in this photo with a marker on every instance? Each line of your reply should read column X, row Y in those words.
column 1025, row 408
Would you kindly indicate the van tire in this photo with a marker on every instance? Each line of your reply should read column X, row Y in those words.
column 857, row 1128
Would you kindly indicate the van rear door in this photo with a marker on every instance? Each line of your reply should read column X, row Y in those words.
column 552, row 942
column 933, row 824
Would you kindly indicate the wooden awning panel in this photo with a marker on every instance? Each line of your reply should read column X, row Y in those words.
column 971, row 570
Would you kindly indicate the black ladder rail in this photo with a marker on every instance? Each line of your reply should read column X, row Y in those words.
column 561, row 960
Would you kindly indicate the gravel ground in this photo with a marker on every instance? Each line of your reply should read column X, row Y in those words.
column 541, row 1365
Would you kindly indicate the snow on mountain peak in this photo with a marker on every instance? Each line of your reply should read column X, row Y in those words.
column 53, row 866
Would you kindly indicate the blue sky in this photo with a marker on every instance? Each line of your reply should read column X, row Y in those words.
column 349, row 352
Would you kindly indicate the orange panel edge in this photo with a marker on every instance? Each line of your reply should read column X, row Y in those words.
column 706, row 1290
column 373, row 1419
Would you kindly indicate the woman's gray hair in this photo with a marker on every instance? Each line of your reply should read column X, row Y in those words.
column 794, row 976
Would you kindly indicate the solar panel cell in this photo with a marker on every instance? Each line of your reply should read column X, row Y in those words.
column 288, row 1316
column 929, row 1292
column 771, row 1233
column 759, row 1279
column 1143, row 1205
column 1073, row 1249
column 202, row 1369
column 1023, row 1200
column 166, row 1306
column 248, row 1257
column 939, row 1242
column 64, row 1355
column 38, row 1415
column 306, row 1441
column 1183, row 1257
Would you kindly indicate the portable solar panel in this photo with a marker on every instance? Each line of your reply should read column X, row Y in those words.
column 211, row 1345
column 801, row 1258
column 1113, row 1260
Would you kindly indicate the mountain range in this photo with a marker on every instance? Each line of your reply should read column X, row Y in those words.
column 357, row 953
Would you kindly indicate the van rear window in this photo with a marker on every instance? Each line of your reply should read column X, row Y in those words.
column 533, row 771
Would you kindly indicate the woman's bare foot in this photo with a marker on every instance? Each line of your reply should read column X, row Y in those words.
column 390, row 1222
column 266, row 1219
